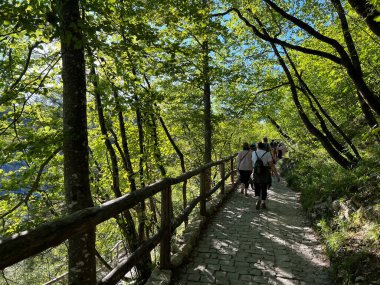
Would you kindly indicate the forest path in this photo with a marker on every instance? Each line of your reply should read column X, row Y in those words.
column 242, row 245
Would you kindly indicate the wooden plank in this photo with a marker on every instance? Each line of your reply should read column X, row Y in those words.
column 232, row 174
column 222, row 177
column 203, row 191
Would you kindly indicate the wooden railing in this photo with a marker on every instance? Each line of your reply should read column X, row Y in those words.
column 28, row 243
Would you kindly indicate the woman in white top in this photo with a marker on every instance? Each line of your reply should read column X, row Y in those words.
column 244, row 166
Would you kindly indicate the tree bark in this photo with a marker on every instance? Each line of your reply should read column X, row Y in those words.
column 81, row 250
column 207, row 133
column 207, row 105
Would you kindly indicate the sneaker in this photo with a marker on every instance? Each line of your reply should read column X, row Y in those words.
column 258, row 205
column 264, row 206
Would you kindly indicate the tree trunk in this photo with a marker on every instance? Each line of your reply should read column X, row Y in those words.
column 367, row 111
column 207, row 105
column 81, row 251
column 207, row 155
column 368, row 12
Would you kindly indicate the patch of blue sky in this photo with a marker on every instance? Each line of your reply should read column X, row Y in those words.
column 21, row 192
column 13, row 166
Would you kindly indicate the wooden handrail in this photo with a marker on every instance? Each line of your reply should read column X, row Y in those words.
column 27, row 243
column 127, row 264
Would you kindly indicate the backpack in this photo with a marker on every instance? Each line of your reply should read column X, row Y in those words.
column 259, row 167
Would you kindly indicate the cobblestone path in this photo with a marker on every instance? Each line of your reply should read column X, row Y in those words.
column 242, row 245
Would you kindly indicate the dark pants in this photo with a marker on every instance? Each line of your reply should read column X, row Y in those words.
column 244, row 177
column 261, row 189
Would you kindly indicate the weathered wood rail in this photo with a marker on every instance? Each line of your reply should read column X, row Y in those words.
column 28, row 243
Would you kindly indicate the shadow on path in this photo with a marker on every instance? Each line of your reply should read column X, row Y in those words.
column 242, row 245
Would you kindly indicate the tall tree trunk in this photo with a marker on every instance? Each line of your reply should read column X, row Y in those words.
column 207, row 132
column 81, row 251
column 368, row 12
column 207, row 105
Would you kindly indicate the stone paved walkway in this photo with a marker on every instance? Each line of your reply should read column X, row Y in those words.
column 245, row 246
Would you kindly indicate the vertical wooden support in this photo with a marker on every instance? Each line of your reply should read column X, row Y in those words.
column 165, row 223
column 222, row 176
column 203, row 190
column 233, row 172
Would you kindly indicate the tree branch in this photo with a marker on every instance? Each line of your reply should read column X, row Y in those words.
column 266, row 37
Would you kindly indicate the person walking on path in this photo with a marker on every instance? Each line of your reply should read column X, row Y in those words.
column 244, row 166
column 263, row 165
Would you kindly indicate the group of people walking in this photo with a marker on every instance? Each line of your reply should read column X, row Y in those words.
column 256, row 164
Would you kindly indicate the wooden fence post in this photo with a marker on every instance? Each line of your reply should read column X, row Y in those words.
column 232, row 173
column 203, row 190
column 166, row 204
column 222, row 176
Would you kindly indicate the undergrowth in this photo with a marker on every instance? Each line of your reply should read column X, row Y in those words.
column 345, row 208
